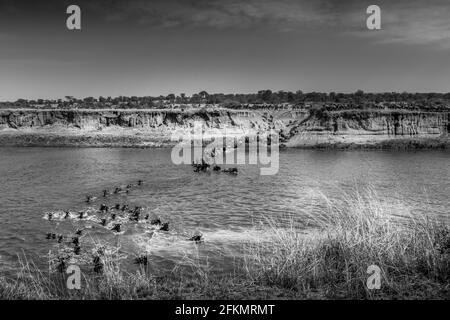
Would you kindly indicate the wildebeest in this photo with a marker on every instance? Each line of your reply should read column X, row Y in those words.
column 116, row 227
column 231, row 170
column 165, row 227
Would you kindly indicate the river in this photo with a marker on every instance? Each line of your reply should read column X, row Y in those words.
column 223, row 207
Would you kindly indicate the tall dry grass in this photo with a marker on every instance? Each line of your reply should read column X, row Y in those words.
column 192, row 278
column 331, row 259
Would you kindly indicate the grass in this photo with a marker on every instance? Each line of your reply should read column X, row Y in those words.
column 324, row 255
column 399, row 143
column 413, row 252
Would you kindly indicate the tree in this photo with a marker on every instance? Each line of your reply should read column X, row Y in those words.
column 332, row 96
column 195, row 98
column 171, row 97
column 265, row 95
column 203, row 94
column 359, row 93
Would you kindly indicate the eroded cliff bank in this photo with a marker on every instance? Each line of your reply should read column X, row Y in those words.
column 296, row 127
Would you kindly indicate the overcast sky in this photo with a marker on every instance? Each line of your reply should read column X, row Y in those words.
column 176, row 46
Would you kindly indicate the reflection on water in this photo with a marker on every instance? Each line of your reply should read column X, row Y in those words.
column 224, row 208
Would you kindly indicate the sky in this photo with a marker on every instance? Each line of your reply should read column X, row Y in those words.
column 148, row 48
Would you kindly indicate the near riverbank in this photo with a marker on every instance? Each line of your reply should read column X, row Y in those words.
column 326, row 256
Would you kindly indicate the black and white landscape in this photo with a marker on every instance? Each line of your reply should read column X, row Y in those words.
column 253, row 149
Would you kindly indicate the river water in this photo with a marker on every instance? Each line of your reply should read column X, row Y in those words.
column 223, row 207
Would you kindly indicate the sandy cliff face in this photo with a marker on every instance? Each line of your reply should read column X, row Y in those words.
column 87, row 120
column 296, row 127
column 356, row 126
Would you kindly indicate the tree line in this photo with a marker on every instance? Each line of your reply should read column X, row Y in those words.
column 263, row 98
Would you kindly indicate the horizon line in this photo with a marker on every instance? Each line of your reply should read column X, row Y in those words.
column 225, row 93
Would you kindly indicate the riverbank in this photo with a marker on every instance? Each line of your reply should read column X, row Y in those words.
column 82, row 140
column 158, row 140
column 299, row 128
column 326, row 256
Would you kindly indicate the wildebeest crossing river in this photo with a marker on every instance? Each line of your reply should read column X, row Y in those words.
column 224, row 208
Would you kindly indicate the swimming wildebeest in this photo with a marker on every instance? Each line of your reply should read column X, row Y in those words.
column 141, row 260
column 197, row 238
column 203, row 166
column 231, row 170
column 116, row 227
column 76, row 240
column 156, row 221
column 136, row 213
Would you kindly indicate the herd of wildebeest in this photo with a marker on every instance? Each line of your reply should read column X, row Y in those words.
column 112, row 218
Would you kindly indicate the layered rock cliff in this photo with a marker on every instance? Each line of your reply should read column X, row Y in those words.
column 296, row 127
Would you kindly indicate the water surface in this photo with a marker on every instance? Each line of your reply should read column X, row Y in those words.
column 222, row 207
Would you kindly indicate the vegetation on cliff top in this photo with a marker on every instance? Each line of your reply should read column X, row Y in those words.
column 263, row 98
